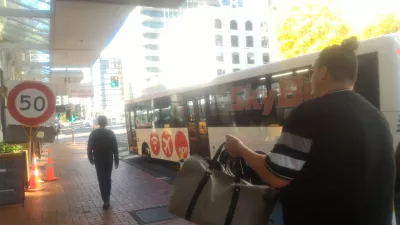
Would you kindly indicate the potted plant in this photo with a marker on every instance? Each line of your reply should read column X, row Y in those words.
column 9, row 149
column 12, row 173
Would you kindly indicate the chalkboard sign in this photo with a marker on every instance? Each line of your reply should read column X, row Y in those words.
column 12, row 178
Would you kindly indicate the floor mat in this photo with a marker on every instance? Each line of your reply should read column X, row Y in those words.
column 152, row 215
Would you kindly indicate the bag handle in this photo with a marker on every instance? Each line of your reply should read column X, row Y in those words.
column 238, row 170
column 214, row 160
column 238, row 161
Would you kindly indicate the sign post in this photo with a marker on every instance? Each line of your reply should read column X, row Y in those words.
column 30, row 104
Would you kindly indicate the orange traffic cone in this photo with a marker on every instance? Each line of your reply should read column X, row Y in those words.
column 50, row 169
column 34, row 178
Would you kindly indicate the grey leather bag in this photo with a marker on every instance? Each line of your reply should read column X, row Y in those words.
column 205, row 194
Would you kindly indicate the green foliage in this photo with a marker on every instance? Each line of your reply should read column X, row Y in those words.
column 309, row 28
column 6, row 148
column 386, row 24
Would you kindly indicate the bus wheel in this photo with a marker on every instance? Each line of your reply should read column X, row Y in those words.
column 146, row 151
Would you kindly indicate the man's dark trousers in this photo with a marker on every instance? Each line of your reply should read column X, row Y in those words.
column 104, row 169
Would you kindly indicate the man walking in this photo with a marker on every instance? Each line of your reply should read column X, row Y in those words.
column 102, row 147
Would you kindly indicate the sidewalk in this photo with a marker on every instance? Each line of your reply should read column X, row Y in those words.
column 137, row 197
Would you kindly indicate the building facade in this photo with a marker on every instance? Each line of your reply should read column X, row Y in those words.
column 201, row 39
column 197, row 48
column 142, row 66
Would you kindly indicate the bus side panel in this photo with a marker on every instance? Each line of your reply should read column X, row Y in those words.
column 393, row 119
column 256, row 138
column 178, row 137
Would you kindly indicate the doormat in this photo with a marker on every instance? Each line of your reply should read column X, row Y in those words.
column 152, row 215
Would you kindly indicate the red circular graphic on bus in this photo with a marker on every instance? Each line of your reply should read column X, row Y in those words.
column 166, row 144
column 154, row 143
column 181, row 145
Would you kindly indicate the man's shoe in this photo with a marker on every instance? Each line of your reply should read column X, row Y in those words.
column 106, row 205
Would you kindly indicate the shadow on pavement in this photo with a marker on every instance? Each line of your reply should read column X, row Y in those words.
column 161, row 169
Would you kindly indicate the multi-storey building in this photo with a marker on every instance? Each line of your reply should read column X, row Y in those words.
column 142, row 65
column 203, row 38
column 230, row 38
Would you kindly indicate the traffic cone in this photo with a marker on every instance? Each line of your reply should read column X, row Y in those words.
column 34, row 178
column 50, row 169
column 36, row 169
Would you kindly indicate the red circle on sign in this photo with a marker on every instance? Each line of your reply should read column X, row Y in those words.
column 12, row 97
column 181, row 145
column 154, row 143
column 166, row 143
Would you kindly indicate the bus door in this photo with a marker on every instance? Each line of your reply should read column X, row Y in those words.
column 131, row 132
column 197, row 127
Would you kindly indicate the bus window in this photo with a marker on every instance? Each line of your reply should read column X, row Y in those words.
column 155, row 118
column 191, row 110
column 223, row 103
column 142, row 119
column 178, row 113
column 132, row 119
column 367, row 83
column 166, row 115
column 291, row 91
column 202, row 108
column 212, row 115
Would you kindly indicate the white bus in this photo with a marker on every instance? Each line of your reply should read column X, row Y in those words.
column 252, row 104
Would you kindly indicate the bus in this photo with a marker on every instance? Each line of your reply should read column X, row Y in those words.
column 252, row 104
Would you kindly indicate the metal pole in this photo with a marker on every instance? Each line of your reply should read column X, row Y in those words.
column 73, row 131
column 72, row 123
column 3, row 108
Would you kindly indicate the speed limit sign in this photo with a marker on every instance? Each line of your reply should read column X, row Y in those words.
column 30, row 103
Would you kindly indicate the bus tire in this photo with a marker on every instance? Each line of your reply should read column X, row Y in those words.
column 146, row 150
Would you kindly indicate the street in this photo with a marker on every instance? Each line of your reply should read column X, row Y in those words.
column 160, row 169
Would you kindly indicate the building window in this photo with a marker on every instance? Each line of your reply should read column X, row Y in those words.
column 235, row 58
column 220, row 57
column 265, row 57
column 153, row 24
column 151, row 47
column 233, row 25
column 218, row 40
column 249, row 41
column 153, row 69
column 153, row 58
column 264, row 42
column 236, row 70
column 234, row 41
column 220, row 72
column 264, row 27
column 151, row 35
column 249, row 26
column 217, row 24
column 250, row 58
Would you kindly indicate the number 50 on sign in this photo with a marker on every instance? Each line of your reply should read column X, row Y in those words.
column 30, row 103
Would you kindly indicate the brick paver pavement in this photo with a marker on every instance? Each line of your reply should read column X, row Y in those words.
column 75, row 198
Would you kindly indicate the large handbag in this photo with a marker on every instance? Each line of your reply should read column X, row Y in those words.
column 204, row 193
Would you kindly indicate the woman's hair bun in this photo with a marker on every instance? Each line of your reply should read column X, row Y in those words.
column 351, row 43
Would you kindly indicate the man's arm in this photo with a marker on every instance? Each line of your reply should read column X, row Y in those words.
column 115, row 150
column 257, row 162
column 90, row 148
column 286, row 159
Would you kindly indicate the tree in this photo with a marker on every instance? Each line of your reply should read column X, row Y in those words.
column 386, row 24
column 309, row 28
